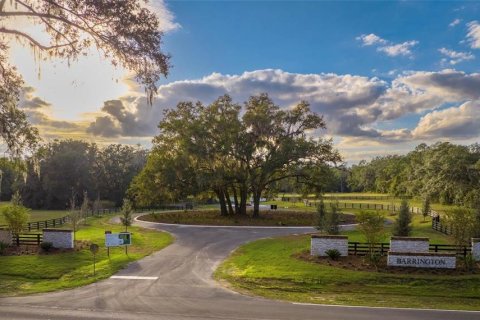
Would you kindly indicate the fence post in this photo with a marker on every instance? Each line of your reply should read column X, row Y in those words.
column 38, row 238
column 355, row 249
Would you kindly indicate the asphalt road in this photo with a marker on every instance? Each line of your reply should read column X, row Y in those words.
column 185, row 289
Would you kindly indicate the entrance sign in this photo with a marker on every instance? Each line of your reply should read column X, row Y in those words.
column 118, row 239
column 422, row 260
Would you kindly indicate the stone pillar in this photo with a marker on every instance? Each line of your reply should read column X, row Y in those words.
column 60, row 238
column 409, row 244
column 476, row 249
column 322, row 243
column 6, row 237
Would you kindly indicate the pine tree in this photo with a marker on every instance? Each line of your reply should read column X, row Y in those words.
column 402, row 226
column 426, row 210
column 321, row 217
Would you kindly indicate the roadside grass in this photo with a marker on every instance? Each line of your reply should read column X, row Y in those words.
column 213, row 217
column 269, row 268
column 27, row 274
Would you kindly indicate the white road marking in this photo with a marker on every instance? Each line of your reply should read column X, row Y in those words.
column 133, row 278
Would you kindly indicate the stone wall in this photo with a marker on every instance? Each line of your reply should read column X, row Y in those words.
column 408, row 244
column 322, row 243
column 6, row 237
column 60, row 238
column 476, row 248
column 422, row 260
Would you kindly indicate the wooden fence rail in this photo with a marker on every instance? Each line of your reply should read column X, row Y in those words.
column 362, row 248
column 34, row 239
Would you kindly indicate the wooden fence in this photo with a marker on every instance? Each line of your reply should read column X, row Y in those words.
column 32, row 239
column 362, row 248
column 438, row 226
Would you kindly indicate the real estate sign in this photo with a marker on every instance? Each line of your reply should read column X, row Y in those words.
column 118, row 239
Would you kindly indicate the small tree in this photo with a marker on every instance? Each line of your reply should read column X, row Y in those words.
column 333, row 219
column 74, row 216
column 84, row 208
column 402, row 226
column 17, row 217
column 127, row 210
column 328, row 220
column 426, row 210
column 462, row 222
column 321, row 217
column 97, row 205
column 16, row 199
column 371, row 225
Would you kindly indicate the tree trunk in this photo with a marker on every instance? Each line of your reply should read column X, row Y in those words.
column 256, row 203
column 229, row 202
column 235, row 200
column 221, row 199
column 243, row 200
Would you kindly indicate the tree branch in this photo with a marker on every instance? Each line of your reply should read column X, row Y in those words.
column 32, row 40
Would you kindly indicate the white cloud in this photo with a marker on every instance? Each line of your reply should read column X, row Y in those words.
column 399, row 49
column 455, row 56
column 473, row 35
column 165, row 16
column 454, row 22
column 370, row 39
column 453, row 123
column 388, row 47
column 353, row 106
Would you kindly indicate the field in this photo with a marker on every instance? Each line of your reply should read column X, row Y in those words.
column 47, row 272
column 38, row 215
column 271, row 268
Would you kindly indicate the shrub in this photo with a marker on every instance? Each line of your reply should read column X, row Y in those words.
column 462, row 222
column 402, row 226
column 333, row 254
column 17, row 217
column 46, row 246
column 371, row 225
column 328, row 220
column 426, row 210
column 3, row 248
column 469, row 262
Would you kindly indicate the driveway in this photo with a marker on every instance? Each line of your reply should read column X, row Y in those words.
column 176, row 283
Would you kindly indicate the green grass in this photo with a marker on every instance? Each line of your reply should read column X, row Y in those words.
column 268, row 268
column 37, row 215
column 41, row 273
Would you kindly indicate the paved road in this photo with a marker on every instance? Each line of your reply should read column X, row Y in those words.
column 185, row 290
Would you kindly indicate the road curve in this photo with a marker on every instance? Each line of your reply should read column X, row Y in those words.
column 185, row 289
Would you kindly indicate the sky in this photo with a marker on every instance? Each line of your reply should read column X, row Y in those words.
column 386, row 75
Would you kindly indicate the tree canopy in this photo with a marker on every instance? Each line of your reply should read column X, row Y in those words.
column 231, row 151
column 125, row 32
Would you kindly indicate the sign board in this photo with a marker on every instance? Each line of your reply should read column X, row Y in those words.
column 118, row 239
column 94, row 248
column 422, row 260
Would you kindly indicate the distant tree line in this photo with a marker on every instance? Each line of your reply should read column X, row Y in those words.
column 442, row 172
column 69, row 169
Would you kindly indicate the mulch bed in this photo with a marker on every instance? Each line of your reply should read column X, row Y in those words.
column 24, row 250
column 267, row 218
column 361, row 263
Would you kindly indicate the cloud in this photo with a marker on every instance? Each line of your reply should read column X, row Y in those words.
column 473, row 35
column 353, row 106
column 454, row 22
column 455, row 56
column 399, row 49
column 388, row 47
column 461, row 122
column 165, row 16
column 370, row 39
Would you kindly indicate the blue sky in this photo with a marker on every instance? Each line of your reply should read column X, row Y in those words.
column 386, row 75
column 312, row 37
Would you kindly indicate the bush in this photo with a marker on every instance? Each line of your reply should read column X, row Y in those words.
column 333, row 254
column 469, row 262
column 402, row 226
column 17, row 217
column 46, row 246
column 3, row 248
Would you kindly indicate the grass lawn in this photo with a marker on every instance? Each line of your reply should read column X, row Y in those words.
column 213, row 217
column 40, row 273
column 37, row 215
column 269, row 268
